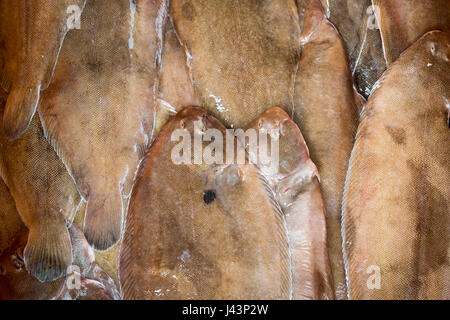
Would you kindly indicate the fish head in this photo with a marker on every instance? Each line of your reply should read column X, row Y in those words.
column 292, row 150
column 294, row 169
column 311, row 13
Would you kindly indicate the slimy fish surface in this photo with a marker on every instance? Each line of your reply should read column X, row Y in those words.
column 396, row 212
column 175, row 90
column 296, row 188
column 98, row 113
column 31, row 36
column 243, row 54
column 402, row 22
column 199, row 231
column 326, row 113
column 45, row 196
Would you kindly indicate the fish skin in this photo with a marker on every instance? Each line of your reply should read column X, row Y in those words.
column 243, row 54
column 31, row 35
column 107, row 260
column 98, row 112
column 355, row 20
column 360, row 100
column 83, row 254
column 10, row 222
column 45, row 197
column 175, row 90
column 327, row 116
column 402, row 22
column 396, row 206
column 296, row 188
column 18, row 284
column 95, row 283
column 108, row 286
column 89, row 290
column 327, row 7
column 195, row 248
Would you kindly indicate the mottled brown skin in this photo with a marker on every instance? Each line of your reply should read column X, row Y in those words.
column 396, row 206
column 99, row 110
column 31, row 35
column 181, row 244
column 402, row 22
column 296, row 187
column 45, row 196
column 18, row 284
column 175, row 90
column 10, row 222
column 243, row 54
column 326, row 114
column 355, row 20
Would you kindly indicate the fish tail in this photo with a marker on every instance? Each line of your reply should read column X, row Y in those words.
column 103, row 220
column 48, row 252
column 19, row 110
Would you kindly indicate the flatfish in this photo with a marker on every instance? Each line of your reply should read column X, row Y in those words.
column 396, row 205
column 402, row 22
column 202, row 231
column 242, row 54
column 31, row 35
column 98, row 113
column 326, row 113
column 45, row 196
column 294, row 183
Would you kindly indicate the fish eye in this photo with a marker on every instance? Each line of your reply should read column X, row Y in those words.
column 260, row 124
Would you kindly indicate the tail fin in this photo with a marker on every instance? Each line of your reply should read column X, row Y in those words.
column 48, row 252
column 103, row 220
column 19, row 110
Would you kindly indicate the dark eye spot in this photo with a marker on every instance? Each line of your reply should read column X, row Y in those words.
column 209, row 196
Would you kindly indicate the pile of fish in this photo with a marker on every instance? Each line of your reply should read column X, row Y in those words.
column 355, row 94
